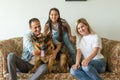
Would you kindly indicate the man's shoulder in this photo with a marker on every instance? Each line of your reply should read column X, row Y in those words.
column 28, row 33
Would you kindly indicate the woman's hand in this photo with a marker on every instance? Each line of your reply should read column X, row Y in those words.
column 85, row 62
column 76, row 66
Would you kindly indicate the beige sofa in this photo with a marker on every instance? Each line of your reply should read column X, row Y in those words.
column 111, row 51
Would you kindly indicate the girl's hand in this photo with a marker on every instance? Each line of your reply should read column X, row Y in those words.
column 72, row 39
column 53, row 56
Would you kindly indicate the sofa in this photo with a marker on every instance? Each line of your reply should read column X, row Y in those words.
column 111, row 52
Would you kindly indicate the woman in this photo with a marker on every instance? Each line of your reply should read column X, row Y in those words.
column 89, row 61
column 61, row 32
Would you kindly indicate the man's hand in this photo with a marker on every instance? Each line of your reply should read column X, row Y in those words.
column 36, row 52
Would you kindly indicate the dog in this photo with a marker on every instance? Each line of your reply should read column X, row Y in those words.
column 44, row 44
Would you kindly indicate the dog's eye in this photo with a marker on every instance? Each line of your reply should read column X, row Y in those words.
column 39, row 42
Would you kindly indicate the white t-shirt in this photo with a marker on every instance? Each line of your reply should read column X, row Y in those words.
column 87, row 43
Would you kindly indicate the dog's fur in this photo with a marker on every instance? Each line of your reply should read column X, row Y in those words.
column 44, row 44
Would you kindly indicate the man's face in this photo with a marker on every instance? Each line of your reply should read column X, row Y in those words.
column 35, row 27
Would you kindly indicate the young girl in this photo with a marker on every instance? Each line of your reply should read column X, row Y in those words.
column 89, row 61
column 61, row 32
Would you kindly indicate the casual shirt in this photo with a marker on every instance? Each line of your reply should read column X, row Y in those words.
column 27, row 47
column 87, row 43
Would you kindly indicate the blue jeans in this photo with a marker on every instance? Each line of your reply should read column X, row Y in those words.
column 17, row 64
column 90, row 72
column 70, row 46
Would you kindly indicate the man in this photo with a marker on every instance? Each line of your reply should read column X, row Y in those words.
column 23, row 64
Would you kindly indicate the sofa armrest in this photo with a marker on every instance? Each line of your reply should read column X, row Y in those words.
column 111, row 51
column 114, row 57
column 7, row 46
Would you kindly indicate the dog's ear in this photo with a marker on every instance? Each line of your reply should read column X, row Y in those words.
column 34, row 38
column 49, row 35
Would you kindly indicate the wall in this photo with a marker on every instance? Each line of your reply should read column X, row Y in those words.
column 103, row 15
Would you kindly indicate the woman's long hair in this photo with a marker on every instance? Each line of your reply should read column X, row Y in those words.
column 84, row 21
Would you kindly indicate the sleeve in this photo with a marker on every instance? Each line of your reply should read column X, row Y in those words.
column 97, row 42
column 28, row 43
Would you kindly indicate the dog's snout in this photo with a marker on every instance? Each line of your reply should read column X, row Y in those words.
column 43, row 48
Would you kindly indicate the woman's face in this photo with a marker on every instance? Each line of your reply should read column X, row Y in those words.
column 54, row 16
column 82, row 29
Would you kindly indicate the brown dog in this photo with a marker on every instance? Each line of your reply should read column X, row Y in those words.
column 44, row 44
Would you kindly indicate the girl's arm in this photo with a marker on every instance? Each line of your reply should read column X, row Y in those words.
column 46, row 29
column 55, row 52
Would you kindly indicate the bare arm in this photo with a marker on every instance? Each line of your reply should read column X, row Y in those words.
column 46, row 29
column 78, row 58
column 55, row 52
column 89, row 58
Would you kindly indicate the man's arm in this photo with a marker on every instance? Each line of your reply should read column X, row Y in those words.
column 28, row 43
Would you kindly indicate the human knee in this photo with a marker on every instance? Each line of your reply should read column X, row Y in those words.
column 86, row 68
column 44, row 67
column 10, row 56
column 72, row 71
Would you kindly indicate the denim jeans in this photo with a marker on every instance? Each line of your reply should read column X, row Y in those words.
column 70, row 46
column 90, row 72
column 17, row 64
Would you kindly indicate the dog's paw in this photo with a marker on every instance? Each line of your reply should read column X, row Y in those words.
column 31, row 71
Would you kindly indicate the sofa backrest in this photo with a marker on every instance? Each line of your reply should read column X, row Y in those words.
column 11, row 45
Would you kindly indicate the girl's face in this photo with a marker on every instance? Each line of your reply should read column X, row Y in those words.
column 54, row 16
column 82, row 29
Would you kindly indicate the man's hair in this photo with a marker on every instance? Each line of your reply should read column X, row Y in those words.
column 32, row 20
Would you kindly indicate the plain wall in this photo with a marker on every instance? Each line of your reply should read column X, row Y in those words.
column 102, row 15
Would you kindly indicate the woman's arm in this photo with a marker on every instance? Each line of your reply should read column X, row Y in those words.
column 78, row 58
column 89, row 58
